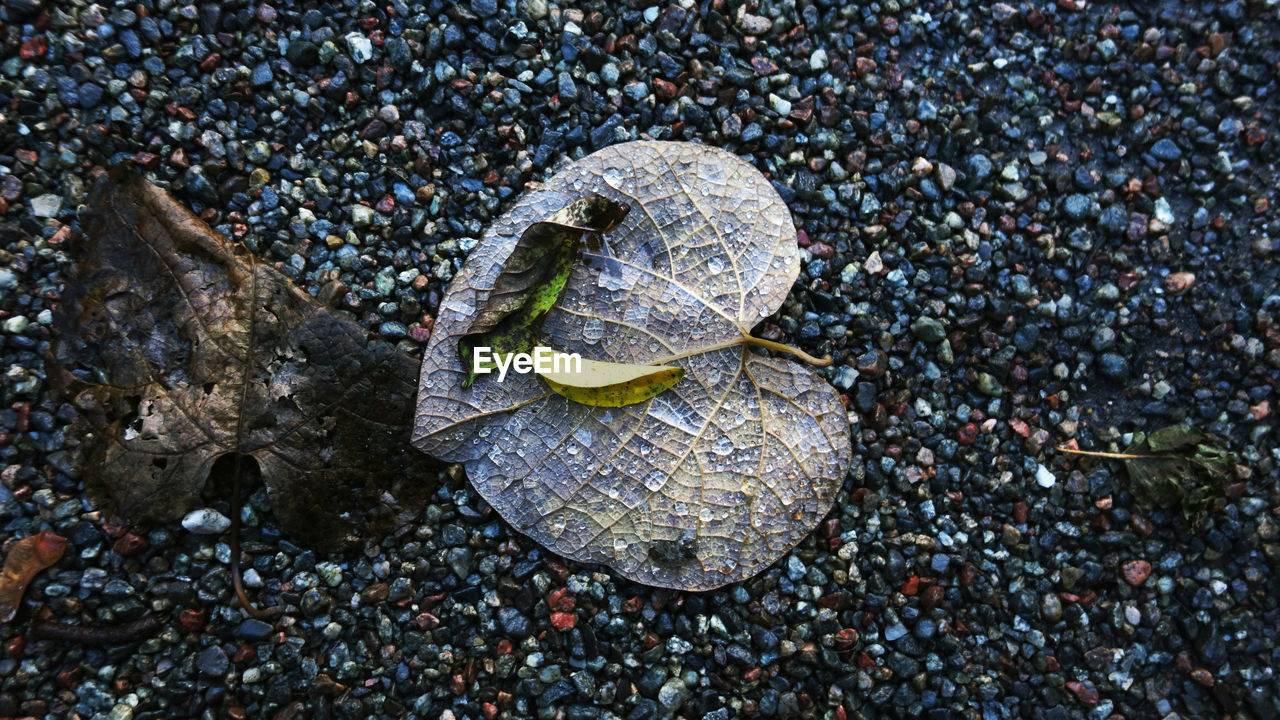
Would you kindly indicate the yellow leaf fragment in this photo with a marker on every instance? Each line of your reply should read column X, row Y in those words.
column 607, row 384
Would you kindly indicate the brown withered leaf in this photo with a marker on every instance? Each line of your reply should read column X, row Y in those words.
column 180, row 348
column 703, row 484
column 1181, row 467
column 26, row 557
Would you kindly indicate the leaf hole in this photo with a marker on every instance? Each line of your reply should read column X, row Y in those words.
column 222, row 475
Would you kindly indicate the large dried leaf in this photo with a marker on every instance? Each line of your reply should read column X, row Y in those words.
column 706, row 483
column 180, row 348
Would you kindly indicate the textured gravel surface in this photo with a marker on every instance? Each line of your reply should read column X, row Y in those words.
column 1027, row 225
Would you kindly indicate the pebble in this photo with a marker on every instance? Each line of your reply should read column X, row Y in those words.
column 213, row 662
column 362, row 215
column 1051, row 607
column 1166, row 150
column 206, row 521
column 1136, row 572
column 46, row 206
column 359, row 46
column 929, row 330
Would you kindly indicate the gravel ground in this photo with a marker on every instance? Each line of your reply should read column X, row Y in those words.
column 1027, row 224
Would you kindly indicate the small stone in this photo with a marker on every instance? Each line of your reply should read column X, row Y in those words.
column 536, row 9
column 1051, row 607
column 513, row 622
column 1132, row 615
column 1179, row 282
column 252, row 629
column 895, row 631
column 928, row 329
column 46, row 206
column 206, row 521
column 845, row 377
column 90, row 94
column 213, row 662
column 946, row 175
column 259, row 153
column 361, row 215
column 979, row 165
column 359, row 47
column 1166, row 150
column 261, row 75
column 1136, row 572
column 672, row 695
column 988, row 385
column 818, row 60
column 1044, row 477
column 1076, row 206
column 1113, row 366
column 780, row 106
column 16, row 324
column 1010, row 536
column 755, row 24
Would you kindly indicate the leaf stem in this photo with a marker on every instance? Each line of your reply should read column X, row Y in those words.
column 794, row 352
column 235, row 545
column 747, row 340
column 1110, row 455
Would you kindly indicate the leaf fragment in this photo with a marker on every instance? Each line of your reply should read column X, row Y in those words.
column 1181, row 467
column 534, row 275
column 27, row 557
column 180, row 350
column 607, row 384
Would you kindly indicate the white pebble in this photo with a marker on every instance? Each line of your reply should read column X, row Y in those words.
column 206, row 521
column 1044, row 478
column 46, row 206
column 359, row 47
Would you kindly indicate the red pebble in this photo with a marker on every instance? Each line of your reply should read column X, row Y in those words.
column 563, row 621
column 33, row 48
column 1136, row 572
column 911, row 586
column 967, row 435
column 192, row 620
column 1084, row 691
column 822, row 250
column 561, row 600
column 846, row 638
column 130, row 544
